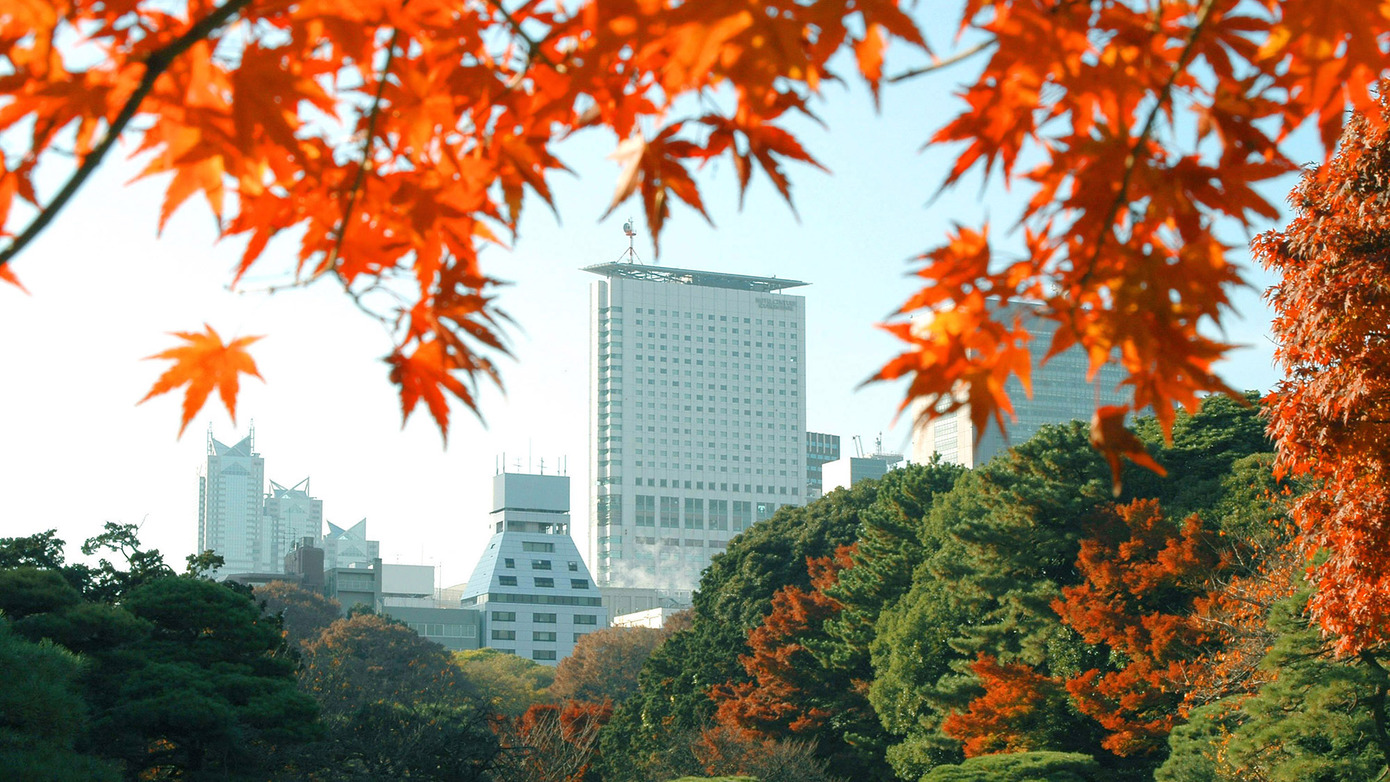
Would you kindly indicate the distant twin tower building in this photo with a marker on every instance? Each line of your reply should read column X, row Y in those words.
column 698, row 398
column 253, row 529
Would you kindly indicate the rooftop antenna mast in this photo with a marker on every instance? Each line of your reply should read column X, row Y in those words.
column 631, row 254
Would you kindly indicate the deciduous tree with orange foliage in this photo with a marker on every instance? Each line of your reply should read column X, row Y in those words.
column 794, row 691
column 1017, row 712
column 552, row 743
column 1145, row 578
column 401, row 138
column 1331, row 415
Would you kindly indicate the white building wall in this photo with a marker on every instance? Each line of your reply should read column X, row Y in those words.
column 698, row 422
column 849, row 470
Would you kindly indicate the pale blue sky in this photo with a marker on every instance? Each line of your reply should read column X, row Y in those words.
column 77, row 452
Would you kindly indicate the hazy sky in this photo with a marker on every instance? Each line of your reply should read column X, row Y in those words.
column 75, row 450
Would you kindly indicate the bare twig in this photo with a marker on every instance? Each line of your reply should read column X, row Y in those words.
column 940, row 64
column 155, row 66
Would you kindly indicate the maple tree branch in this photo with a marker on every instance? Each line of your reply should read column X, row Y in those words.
column 533, row 47
column 360, row 180
column 939, row 64
column 155, row 66
column 1132, row 159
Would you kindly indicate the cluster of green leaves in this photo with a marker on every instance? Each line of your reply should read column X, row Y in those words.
column 143, row 673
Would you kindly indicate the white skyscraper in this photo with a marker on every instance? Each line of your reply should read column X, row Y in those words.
column 698, row 399
column 230, row 503
column 1061, row 393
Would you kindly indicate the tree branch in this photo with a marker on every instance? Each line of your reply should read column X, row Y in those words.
column 939, row 64
column 362, row 169
column 533, row 47
column 155, row 66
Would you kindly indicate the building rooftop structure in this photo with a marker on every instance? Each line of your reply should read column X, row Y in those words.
column 705, row 279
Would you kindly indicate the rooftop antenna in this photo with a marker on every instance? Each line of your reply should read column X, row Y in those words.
column 631, row 255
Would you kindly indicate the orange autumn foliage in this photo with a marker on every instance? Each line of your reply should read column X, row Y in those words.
column 398, row 140
column 790, row 692
column 1016, row 713
column 552, row 743
column 1180, row 611
column 1330, row 416
column 204, row 364
column 1101, row 99
column 1145, row 580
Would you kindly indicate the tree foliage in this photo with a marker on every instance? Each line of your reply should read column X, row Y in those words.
column 1144, row 580
column 1048, row 619
column 655, row 728
column 793, row 692
column 1315, row 717
column 180, row 677
column 604, row 665
column 394, row 705
column 44, row 713
column 1330, row 413
column 508, row 684
column 552, row 743
column 400, row 140
column 304, row 613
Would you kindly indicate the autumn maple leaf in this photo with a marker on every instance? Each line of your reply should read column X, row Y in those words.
column 1113, row 440
column 427, row 374
column 203, row 364
column 9, row 276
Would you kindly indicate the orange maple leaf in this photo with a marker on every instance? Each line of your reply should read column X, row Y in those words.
column 427, row 373
column 204, row 363
column 8, row 275
column 1113, row 440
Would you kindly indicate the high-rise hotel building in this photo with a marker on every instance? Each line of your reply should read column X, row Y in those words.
column 698, row 398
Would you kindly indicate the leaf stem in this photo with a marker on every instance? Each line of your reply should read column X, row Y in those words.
column 155, row 66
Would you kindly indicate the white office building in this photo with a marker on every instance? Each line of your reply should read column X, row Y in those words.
column 230, row 503
column 1061, row 393
column 698, row 398
column 534, row 594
